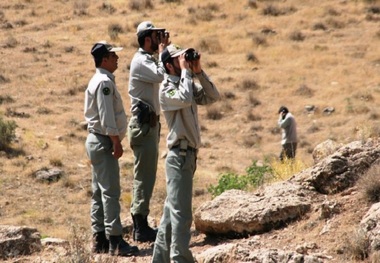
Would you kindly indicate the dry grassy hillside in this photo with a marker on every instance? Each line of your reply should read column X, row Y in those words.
column 261, row 55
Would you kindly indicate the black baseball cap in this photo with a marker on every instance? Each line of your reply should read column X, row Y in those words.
column 102, row 47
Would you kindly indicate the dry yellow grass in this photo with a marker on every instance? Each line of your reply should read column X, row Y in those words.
column 45, row 56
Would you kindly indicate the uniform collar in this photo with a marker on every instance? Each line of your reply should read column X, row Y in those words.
column 104, row 71
column 173, row 78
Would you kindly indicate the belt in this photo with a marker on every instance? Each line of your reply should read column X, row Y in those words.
column 191, row 149
column 98, row 134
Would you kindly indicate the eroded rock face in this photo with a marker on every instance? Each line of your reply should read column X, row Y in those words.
column 238, row 213
column 340, row 170
column 16, row 241
column 325, row 149
column 231, row 253
column 370, row 226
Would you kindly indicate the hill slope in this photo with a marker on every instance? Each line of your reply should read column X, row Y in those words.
column 261, row 55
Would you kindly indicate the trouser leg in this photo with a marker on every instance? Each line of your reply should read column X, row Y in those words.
column 161, row 251
column 289, row 150
column 144, row 142
column 105, row 206
column 178, row 204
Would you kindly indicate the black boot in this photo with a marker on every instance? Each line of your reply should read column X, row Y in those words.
column 100, row 243
column 118, row 247
column 142, row 232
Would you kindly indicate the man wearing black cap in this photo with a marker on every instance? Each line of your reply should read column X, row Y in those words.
column 146, row 72
column 107, row 124
column 287, row 122
column 179, row 97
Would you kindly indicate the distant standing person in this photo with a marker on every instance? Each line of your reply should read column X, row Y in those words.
column 107, row 125
column 288, row 125
column 179, row 97
column 146, row 73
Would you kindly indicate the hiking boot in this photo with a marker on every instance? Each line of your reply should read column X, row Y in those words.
column 100, row 243
column 118, row 247
column 142, row 232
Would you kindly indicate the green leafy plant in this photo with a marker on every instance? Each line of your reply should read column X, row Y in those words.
column 255, row 177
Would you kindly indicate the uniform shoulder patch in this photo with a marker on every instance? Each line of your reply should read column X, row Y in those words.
column 171, row 93
column 106, row 91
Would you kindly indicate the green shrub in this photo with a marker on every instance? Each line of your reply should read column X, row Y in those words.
column 255, row 177
column 7, row 132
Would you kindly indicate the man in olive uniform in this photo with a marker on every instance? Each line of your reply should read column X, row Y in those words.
column 107, row 124
column 179, row 96
column 146, row 73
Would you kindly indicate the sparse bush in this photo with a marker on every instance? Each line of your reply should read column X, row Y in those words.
column 252, row 3
column 358, row 245
column 249, row 84
column 110, row 9
column 374, row 116
column 271, row 10
column 114, row 30
column 252, row 100
column 313, row 128
column 7, row 132
column 319, row 26
column 6, row 98
column 369, row 184
column 373, row 9
column 335, row 23
column 255, row 177
column 3, row 79
column 69, row 49
column 78, row 249
column 332, row 12
column 212, row 64
column 213, row 113
column 56, row 162
column 252, row 57
column 253, row 117
column 304, row 90
column 11, row 42
column 229, row 95
column 212, row 46
column 43, row 111
column 259, row 40
column 80, row 8
column 251, row 140
column 297, row 36
column 287, row 168
column 349, row 106
column 140, row 4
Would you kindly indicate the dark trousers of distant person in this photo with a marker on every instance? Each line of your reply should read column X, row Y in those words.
column 288, row 151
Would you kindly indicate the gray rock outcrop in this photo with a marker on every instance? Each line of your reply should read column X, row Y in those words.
column 16, row 241
column 238, row 213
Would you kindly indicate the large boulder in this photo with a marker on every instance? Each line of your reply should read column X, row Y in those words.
column 239, row 213
column 341, row 169
column 244, row 252
column 325, row 149
column 18, row 240
column 370, row 226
